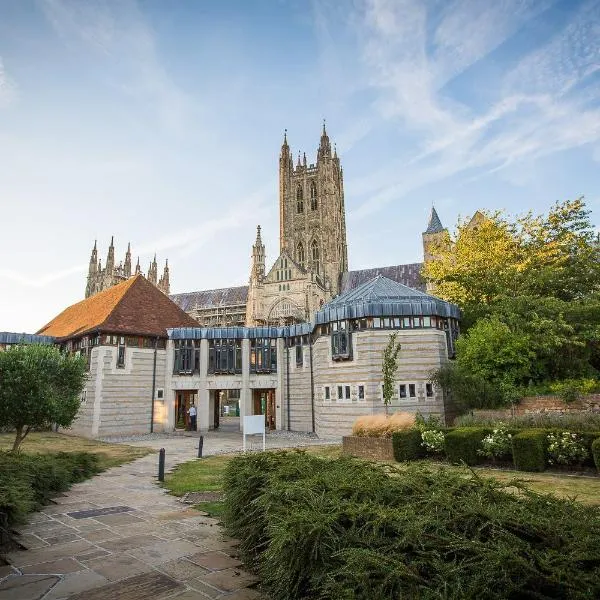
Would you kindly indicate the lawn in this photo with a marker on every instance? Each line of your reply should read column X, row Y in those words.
column 42, row 442
column 205, row 475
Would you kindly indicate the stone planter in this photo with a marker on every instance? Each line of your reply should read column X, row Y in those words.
column 373, row 448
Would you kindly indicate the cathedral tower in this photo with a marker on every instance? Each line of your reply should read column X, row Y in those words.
column 434, row 234
column 90, row 288
column 312, row 213
column 257, row 275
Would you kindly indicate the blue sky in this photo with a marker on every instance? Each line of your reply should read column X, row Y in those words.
column 161, row 123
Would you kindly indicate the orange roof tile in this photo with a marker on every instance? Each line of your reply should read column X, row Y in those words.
column 134, row 306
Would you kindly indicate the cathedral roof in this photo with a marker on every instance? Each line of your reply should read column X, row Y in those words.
column 134, row 307
column 409, row 275
column 206, row 298
column 434, row 225
column 383, row 297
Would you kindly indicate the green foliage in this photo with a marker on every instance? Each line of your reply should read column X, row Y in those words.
column 462, row 444
column 39, row 387
column 497, row 444
column 596, row 453
column 565, row 448
column 426, row 423
column 347, row 529
column 577, row 422
column 408, row 445
column 389, row 367
column 28, row 481
column 433, row 441
column 529, row 450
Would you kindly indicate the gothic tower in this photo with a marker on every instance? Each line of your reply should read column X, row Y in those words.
column 312, row 217
column 90, row 289
column 434, row 234
column 257, row 275
column 127, row 266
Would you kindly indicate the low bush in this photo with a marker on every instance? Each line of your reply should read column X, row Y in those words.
column 28, row 481
column 346, row 529
column 529, row 450
column 433, row 441
column 497, row 444
column 577, row 422
column 408, row 445
column 382, row 425
column 596, row 453
column 565, row 448
column 462, row 444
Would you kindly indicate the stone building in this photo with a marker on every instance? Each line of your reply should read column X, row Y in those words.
column 100, row 279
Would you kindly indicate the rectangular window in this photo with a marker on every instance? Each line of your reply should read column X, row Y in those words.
column 121, row 355
column 224, row 356
column 429, row 390
column 412, row 390
column 361, row 392
column 402, row 390
column 299, row 354
column 426, row 321
column 183, row 357
column 340, row 391
column 160, row 394
column 406, row 322
column 376, row 323
column 263, row 355
column 347, row 390
column 327, row 393
column 341, row 342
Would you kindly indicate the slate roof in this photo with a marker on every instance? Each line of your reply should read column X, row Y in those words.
column 434, row 225
column 409, row 275
column 206, row 298
column 134, row 307
column 383, row 297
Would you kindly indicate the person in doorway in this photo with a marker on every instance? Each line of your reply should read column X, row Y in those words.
column 192, row 413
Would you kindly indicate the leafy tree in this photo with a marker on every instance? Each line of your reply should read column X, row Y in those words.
column 389, row 368
column 39, row 386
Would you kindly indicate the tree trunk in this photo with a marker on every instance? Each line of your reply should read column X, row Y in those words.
column 18, row 439
column 387, row 410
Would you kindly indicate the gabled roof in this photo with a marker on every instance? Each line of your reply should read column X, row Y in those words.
column 292, row 263
column 383, row 297
column 409, row 275
column 134, row 307
column 434, row 225
column 206, row 298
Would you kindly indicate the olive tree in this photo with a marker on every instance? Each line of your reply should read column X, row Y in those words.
column 39, row 386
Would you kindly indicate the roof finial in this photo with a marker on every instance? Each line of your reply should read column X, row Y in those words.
column 285, row 136
column 112, row 237
column 324, row 132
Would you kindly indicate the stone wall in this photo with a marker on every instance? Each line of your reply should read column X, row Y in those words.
column 373, row 448
column 589, row 402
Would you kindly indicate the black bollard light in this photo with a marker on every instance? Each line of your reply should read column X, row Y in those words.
column 161, row 464
column 200, row 446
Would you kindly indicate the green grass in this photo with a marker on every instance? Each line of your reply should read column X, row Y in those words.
column 44, row 442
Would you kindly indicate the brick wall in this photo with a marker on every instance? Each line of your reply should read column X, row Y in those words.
column 589, row 402
column 368, row 447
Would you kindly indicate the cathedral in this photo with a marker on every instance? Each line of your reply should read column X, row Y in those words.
column 312, row 267
column 100, row 279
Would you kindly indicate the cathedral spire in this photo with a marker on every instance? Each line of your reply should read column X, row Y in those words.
column 434, row 225
column 110, row 259
column 127, row 265
column 138, row 269
column 324, row 145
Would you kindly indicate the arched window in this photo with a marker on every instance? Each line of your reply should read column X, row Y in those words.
column 313, row 196
column 300, row 254
column 299, row 200
column 314, row 248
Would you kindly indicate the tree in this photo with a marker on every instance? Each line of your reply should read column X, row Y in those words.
column 389, row 368
column 39, row 386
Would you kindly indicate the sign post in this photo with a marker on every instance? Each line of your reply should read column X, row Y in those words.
column 254, row 425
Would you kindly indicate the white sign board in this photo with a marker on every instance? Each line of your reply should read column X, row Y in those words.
column 253, row 425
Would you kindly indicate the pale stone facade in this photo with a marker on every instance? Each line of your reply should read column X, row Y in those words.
column 100, row 279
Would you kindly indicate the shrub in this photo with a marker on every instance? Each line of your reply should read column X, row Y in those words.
column 408, row 445
column 497, row 444
column 382, row 425
column 427, row 423
column 565, row 448
column 529, row 450
column 596, row 453
column 462, row 444
column 578, row 422
column 433, row 441
column 346, row 529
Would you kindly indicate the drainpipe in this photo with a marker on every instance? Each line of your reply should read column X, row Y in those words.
column 287, row 354
column 153, row 386
column 312, row 386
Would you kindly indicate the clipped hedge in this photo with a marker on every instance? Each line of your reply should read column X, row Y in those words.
column 529, row 450
column 346, row 529
column 28, row 481
column 408, row 445
column 462, row 444
column 596, row 453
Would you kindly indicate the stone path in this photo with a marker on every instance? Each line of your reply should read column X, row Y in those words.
column 121, row 536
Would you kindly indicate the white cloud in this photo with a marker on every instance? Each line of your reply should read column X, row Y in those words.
column 8, row 88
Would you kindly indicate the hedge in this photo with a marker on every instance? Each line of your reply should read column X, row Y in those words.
column 408, row 445
column 596, row 453
column 529, row 449
column 348, row 529
column 462, row 444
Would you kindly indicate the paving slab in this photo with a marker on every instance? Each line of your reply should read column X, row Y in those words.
column 55, row 567
column 230, row 580
column 214, row 561
column 27, row 587
column 75, row 583
column 118, row 566
column 181, row 569
column 164, row 551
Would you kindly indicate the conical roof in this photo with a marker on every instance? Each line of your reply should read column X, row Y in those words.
column 434, row 225
column 378, row 289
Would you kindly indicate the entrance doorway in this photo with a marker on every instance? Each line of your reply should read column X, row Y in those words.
column 183, row 400
column 264, row 404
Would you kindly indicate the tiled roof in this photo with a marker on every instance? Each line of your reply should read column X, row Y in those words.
column 409, row 275
column 434, row 225
column 206, row 298
column 133, row 307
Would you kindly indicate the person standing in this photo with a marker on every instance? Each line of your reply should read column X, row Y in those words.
column 192, row 413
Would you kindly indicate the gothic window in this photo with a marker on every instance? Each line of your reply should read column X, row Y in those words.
column 315, row 250
column 299, row 200
column 300, row 254
column 313, row 196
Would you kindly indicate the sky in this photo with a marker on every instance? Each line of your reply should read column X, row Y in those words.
column 160, row 123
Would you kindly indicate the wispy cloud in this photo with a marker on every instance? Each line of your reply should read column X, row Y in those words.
column 118, row 32
column 8, row 88
column 41, row 281
column 546, row 104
